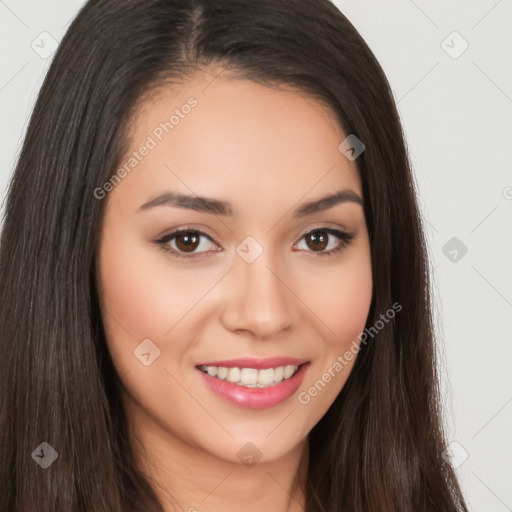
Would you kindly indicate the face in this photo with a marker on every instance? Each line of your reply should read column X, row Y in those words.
column 254, row 274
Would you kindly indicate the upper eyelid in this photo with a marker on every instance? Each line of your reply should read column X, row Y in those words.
column 174, row 234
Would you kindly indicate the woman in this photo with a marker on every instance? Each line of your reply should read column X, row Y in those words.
column 213, row 273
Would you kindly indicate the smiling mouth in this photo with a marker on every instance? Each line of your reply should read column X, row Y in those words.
column 252, row 377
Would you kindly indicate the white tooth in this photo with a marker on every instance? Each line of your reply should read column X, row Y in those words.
column 251, row 377
column 222, row 373
column 266, row 376
column 279, row 374
column 248, row 376
column 289, row 371
column 233, row 375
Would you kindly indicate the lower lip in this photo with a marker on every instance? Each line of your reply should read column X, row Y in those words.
column 256, row 398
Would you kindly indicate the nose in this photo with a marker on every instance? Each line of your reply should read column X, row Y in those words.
column 258, row 299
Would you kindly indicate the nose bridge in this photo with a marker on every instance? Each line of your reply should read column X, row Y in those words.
column 260, row 301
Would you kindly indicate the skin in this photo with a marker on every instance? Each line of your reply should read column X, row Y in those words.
column 267, row 152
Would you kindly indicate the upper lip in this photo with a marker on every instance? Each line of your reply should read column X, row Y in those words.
column 260, row 364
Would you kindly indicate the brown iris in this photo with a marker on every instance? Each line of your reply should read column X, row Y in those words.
column 187, row 242
column 319, row 240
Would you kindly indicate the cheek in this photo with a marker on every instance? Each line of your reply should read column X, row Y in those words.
column 138, row 301
column 145, row 296
column 341, row 307
column 340, row 298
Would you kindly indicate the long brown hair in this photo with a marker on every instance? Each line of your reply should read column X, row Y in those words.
column 379, row 445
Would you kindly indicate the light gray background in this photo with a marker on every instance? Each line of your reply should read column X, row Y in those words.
column 457, row 115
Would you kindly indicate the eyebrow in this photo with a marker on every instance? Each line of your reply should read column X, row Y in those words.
column 218, row 207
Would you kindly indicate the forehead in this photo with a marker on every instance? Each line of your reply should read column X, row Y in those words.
column 225, row 137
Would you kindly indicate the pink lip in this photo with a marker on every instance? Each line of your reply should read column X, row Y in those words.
column 255, row 398
column 258, row 364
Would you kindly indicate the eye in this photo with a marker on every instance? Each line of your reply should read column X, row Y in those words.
column 318, row 240
column 184, row 242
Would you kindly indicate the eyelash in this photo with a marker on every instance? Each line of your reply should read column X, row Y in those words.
column 345, row 238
